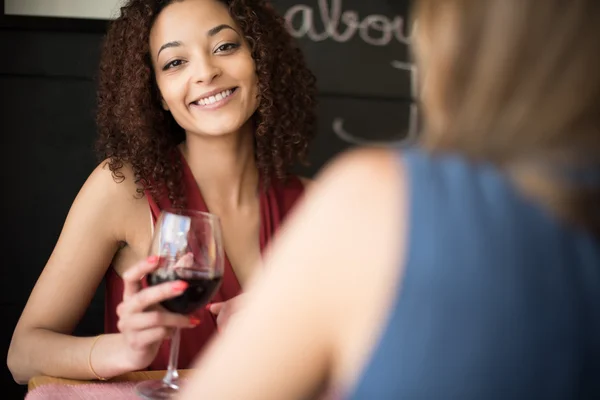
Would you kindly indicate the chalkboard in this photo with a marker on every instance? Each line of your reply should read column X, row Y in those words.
column 355, row 47
column 360, row 53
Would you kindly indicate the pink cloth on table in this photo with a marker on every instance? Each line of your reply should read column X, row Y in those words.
column 91, row 391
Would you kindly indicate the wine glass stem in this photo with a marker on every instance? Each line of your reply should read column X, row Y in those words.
column 172, row 375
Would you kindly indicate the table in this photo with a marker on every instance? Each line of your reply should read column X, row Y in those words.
column 38, row 381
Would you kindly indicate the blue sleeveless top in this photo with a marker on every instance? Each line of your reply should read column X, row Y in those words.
column 499, row 299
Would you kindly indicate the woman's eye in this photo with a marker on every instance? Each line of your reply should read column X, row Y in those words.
column 227, row 47
column 173, row 64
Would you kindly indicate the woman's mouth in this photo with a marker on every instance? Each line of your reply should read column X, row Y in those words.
column 215, row 100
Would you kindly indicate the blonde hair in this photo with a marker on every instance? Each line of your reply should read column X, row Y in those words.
column 517, row 83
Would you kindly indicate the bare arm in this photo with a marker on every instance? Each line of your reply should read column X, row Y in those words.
column 41, row 342
column 313, row 317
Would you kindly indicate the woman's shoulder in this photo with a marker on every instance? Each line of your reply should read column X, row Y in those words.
column 108, row 181
column 112, row 192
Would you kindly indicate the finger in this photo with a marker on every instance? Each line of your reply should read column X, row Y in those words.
column 132, row 277
column 149, row 320
column 222, row 320
column 216, row 308
column 153, row 295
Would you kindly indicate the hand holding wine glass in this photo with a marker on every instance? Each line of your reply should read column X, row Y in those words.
column 185, row 269
column 142, row 322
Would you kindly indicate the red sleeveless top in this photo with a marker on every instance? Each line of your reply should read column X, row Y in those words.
column 275, row 203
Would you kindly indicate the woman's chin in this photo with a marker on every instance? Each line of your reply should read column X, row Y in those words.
column 217, row 132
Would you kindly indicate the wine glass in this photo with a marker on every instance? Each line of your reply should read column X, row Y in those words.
column 190, row 246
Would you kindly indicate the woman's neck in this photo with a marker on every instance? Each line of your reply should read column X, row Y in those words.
column 224, row 168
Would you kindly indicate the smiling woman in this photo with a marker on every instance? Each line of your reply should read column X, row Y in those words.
column 203, row 104
column 217, row 56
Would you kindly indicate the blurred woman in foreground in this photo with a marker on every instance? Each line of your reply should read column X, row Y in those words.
column 470, row 268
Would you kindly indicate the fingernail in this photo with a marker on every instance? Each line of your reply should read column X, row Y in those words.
column 179, row 286
column 153, row 259
column 194, row 321
column 207, row 308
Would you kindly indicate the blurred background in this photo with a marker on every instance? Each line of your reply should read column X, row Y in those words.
column 49, row 52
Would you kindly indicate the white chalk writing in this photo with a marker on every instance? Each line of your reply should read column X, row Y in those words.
column 341, row 26
column 407, row 139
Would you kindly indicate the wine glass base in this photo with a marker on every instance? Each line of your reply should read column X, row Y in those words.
column 156, row 390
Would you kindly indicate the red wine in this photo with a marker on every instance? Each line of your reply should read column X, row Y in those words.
column 201, row 288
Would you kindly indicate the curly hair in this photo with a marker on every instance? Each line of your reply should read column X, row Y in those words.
column 135, row 129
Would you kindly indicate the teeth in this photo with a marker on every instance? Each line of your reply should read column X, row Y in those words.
column 213, row 99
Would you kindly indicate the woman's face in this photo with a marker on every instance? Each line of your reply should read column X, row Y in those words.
column 203, row 67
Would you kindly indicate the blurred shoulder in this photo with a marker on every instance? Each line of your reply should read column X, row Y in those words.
column 360, row 188
column 364, row 172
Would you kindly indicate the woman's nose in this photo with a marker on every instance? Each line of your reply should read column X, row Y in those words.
column 205, row 71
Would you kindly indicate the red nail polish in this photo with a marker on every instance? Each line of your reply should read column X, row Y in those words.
column 194, row 321
column 179, row 286
column 153, row 259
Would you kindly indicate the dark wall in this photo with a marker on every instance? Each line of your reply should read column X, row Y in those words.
column 47, row 123
column 47, row 132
